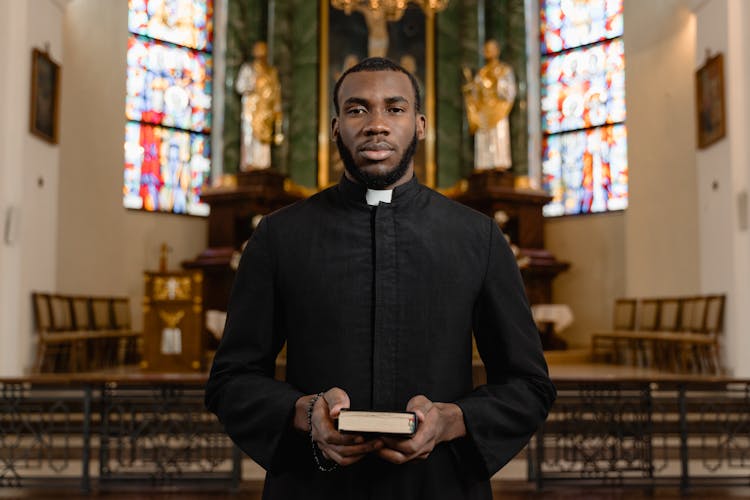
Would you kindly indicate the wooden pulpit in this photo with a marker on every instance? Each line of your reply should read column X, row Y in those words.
column 173, row 339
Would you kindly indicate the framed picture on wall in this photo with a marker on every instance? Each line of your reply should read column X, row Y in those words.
column 710, row 106
column 45, row 92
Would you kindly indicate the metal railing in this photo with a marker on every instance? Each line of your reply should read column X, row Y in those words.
column 112, row 431
column 98, row 431
column 685, row 433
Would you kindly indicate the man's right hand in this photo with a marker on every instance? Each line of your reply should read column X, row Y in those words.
column 344, row 449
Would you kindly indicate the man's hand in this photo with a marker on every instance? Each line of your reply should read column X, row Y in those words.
column 344, row 449
column 438, row 422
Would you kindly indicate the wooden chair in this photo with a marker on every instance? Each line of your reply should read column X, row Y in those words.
column 105, row 346
column 81, row 319
column 662, row 355
column 604, row 344
column 693, row 344
column 129, row 343
column 714, row 325
column 635, row 345
column 43, row 325
column 630, row 346
column 700, row 346
column 648, row 319
column 623, row 315
column 57, row 335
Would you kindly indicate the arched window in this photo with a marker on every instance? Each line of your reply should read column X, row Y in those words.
column 168, row 105
column 584, row 139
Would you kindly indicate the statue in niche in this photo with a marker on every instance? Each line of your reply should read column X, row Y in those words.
column 377, row 31
column 258, row 83
column 489, row 97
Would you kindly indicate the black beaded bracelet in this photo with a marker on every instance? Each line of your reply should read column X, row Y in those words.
column 323, row 464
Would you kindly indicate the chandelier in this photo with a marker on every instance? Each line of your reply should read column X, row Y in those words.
column 393, row 10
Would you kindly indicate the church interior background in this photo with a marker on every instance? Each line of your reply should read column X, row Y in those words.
column 65, row 230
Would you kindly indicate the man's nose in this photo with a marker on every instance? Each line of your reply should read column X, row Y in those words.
column 377, row 124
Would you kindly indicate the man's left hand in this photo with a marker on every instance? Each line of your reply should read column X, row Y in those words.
column 438, row 422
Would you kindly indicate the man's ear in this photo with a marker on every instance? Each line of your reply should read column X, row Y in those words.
column 421, row 125
column 334, row 128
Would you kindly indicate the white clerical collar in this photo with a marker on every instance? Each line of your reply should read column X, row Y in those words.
column 375, row 196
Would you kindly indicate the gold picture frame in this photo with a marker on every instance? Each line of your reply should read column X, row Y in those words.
column 326, row 175
column 710, row 105
column 45, row 96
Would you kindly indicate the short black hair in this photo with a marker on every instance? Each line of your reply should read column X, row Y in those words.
column 377, row 64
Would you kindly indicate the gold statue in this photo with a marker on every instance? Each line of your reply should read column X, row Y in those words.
column 258, row 83
column 377, row 31
column 489, row 97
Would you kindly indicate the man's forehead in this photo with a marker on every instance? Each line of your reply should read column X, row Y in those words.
column 376, row 84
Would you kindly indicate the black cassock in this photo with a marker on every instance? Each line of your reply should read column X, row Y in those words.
column 380, row 301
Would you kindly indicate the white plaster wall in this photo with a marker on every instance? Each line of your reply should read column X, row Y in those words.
column 103, row 248
column 13, row 37
column 661, row 231
column 594, row 247
column 29, row 177
column 740, row 341
column 713, row 167
column 723, row 175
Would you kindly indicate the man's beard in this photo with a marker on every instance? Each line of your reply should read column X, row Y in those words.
column 377, row 181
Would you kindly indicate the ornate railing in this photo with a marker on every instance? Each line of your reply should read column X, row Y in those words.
column 111, row 431
column 685, row 432
column 95, row 431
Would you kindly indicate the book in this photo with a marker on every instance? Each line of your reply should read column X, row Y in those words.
column 398, row 423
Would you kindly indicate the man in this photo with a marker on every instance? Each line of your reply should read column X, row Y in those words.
column 376, row 285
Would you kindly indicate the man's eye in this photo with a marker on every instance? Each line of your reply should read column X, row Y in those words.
column 355, row 111
column 396, row 109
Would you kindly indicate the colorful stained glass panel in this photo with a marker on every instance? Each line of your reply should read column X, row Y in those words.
column 182, row 22
column 572, row 23
column 586, row 171
column 583, row 88
column 168, row 85
column 165, row 169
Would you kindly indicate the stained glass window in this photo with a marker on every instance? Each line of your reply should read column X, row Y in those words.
column 572, row 23
column 188, row 23
column 168, row 105
column 584, row 157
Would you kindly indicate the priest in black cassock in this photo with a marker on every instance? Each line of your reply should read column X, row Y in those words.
column 376, row 286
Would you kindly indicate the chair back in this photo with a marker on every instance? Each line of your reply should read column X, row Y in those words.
column 82, row 313
column 101, row 313
column 624, row 314
column 714, row 322
column 42, row 311
column 121, row 311
column 693, row 314
column 62, row 317
column 648, row 319
column 686, row 313
column 669, row 315
column 698, row 316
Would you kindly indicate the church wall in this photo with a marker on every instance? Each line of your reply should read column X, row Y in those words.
column 738, row 342
column 104, row 248
column 594, row 247
column 651, row 249
column 723, row 175
column 661, row 234
column 28, row 178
